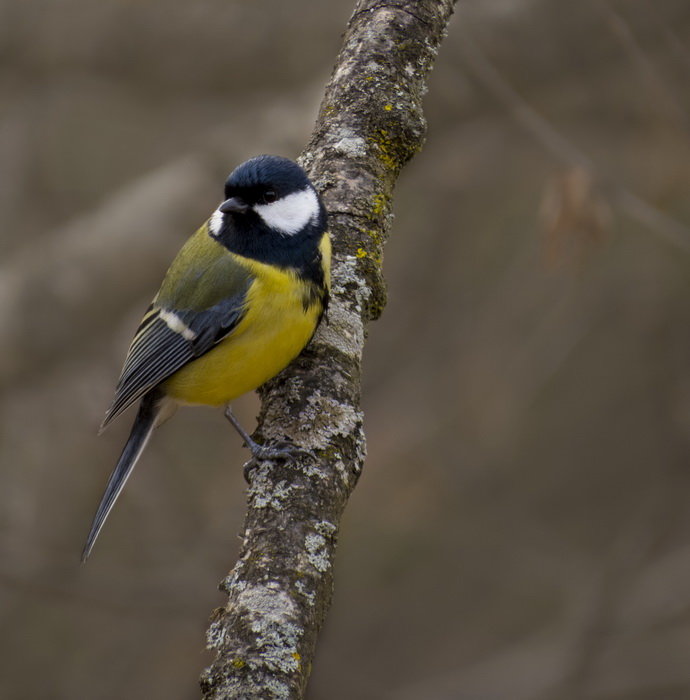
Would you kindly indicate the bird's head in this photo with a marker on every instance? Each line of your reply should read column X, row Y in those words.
column 272, row 191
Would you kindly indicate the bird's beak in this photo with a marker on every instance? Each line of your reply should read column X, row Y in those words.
column 234, row 204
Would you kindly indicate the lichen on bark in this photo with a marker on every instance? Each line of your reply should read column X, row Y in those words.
column 369, row 125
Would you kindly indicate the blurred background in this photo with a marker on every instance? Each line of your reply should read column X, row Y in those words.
column 521, row 529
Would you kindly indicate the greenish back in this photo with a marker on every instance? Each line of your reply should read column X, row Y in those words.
column 202, row 274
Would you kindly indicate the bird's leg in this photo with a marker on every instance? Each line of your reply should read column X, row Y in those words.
column 259, row 452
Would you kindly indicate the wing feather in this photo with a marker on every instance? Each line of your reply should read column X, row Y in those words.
column 148, row 340
column 159, row 353
column 159, row 350
column 201, row 300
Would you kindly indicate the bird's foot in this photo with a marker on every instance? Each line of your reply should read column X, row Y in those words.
column 282, row 451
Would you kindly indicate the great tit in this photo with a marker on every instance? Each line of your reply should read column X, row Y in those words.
column 240, row 301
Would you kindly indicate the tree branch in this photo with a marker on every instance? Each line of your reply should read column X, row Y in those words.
column 370, row 124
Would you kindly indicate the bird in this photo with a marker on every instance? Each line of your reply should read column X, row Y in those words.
column 240, row 301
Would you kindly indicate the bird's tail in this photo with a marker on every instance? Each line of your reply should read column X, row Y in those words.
column 145, row 422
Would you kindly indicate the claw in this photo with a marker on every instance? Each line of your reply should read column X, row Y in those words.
column 283, row 450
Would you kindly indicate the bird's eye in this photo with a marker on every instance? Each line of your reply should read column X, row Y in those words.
column 269, row 196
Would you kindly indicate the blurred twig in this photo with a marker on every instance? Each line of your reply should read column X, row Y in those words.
column 658, row 222
column 678, row 47
column 663, row 98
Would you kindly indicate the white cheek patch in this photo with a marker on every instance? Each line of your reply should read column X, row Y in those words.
column 292, row 213
column 215, row 222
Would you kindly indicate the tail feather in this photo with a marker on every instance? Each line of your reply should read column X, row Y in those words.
column 144, row 424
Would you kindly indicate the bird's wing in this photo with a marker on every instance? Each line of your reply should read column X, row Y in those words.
column 201, row 300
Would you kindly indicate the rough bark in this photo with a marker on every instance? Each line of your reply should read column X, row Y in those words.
column 370, row 124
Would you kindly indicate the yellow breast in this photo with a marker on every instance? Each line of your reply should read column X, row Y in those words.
column 274, row 330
